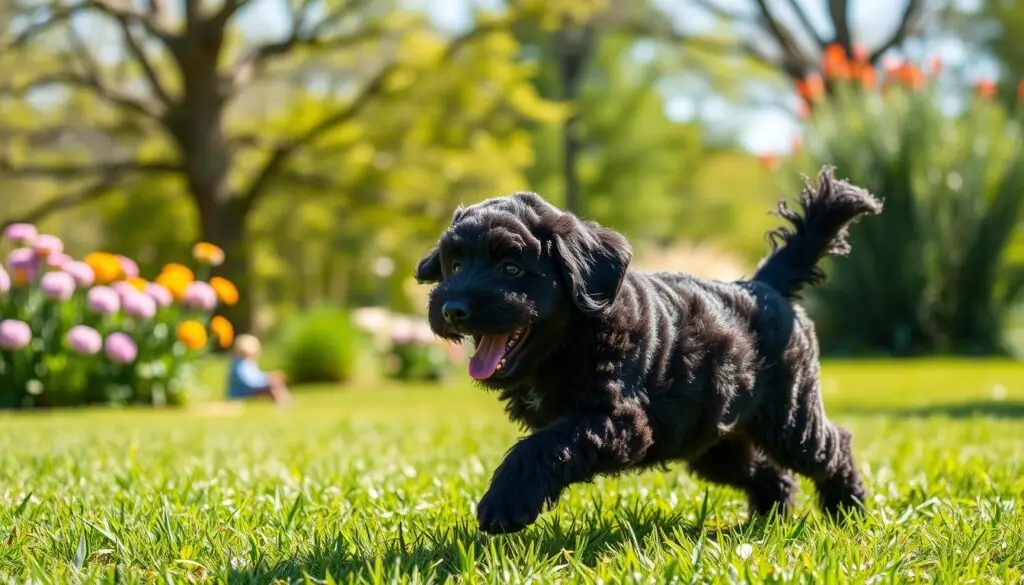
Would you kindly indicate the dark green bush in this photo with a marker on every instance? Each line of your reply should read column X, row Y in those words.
column 321, row 345
column 932, row 273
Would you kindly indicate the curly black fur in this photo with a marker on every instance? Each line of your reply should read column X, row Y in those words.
column 625, row 370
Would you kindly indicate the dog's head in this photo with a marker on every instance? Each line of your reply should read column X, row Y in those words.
column 510, row 273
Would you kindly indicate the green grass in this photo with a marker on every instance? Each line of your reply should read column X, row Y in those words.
column 378, row 485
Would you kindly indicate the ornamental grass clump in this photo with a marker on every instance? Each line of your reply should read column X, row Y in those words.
column 93, row 331
column 942, row 268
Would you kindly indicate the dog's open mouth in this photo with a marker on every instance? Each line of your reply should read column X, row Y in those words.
column 495, row 352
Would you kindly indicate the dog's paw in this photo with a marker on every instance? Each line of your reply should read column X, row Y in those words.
column 510, row 508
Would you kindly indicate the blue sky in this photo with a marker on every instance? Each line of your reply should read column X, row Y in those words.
column 761, row 129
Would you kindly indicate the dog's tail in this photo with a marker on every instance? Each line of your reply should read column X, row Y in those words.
column 828, row 211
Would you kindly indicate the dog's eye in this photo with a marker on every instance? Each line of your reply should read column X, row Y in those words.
column 456, row 266
column 510, row 269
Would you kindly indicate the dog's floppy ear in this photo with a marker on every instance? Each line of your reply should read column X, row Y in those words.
column 428, row 270
column 592, row 261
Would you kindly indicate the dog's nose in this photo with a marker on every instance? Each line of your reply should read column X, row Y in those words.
column 454, row 311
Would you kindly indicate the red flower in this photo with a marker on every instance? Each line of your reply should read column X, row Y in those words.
column 835, row 63
column 867, row 76
column 811, row 88
column 904, row 73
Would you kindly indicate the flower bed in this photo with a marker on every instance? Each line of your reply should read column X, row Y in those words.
column 92, row 331
column 940, row 270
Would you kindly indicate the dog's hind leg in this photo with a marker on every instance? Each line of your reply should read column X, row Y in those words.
column 736, row 463
column 812, row 445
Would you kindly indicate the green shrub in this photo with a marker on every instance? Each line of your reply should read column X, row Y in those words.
column 321, row 345
column 415, row 360
column 933, row 273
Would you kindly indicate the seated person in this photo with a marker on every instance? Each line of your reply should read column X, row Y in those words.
column 247, row 380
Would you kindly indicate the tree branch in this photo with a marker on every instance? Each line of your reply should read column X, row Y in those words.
column 92, row 192
column 147, row 67
column 71, row 171
column 805, row 20
column 220, row 19
column 87, row 82
column 906, row 27
column 837, row 10
column 252, row 64
column 794, row 61
column 283, row 151
column 662, row 30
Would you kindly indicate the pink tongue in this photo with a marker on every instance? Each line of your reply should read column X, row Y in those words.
column 488, row 354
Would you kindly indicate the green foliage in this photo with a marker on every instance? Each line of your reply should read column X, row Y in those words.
column 933, row 272
column 321, row 345
column 636, row 165
column 379, row 485
column 415, row 360
column 82, row 333
column 998, row 27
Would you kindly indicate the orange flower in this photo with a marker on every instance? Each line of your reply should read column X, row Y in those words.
column 935, row 66
column 207, row 253
column 226, row 291
column 138, row 284
column 835, row 63
column 179, row 269
column 811, row 88
column 192, row 334
column 797, row 146
column 770, row 161
column 986, row 88
column 106, row 267
column 906, row 74
column 175, row 282
column 867, row 76
column 223, row 331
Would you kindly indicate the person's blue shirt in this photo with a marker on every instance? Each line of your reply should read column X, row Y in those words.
column 245, row 377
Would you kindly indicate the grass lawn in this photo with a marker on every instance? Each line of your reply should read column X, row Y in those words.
column 378, row 485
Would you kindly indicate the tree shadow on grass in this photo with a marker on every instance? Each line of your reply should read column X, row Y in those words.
column 462, row 549
column 998, row 409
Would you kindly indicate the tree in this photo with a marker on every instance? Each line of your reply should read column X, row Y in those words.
column 790, row 37
column 181, row 79
column 631, row 164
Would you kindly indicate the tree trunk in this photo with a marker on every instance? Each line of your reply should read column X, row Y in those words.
column 226, row 226
column 197, row 124
column 573, row 48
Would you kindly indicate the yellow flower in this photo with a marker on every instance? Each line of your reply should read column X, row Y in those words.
column 179, row 269
column 192, row 334
column 227, row 292
column 223, row 330
column 207, row 253
column 106, row 267
column 138, row 284
column 175, row 282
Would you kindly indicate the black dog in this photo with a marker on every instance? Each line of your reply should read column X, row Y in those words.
column 613, row 369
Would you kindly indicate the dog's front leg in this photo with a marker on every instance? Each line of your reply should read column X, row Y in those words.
column 539, row 467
